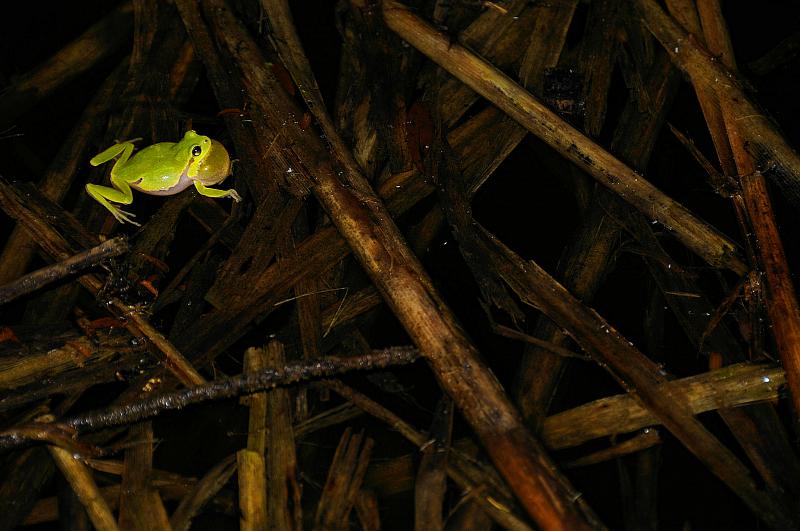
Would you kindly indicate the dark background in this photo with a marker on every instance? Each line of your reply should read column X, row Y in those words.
column 535, row 216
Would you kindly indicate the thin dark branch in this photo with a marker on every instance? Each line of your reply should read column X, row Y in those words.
column 46, row 275
column 217, row 390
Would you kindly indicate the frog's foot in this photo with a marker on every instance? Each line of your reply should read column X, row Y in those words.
column 105, row 195
column 216, row 192
column 124, row 217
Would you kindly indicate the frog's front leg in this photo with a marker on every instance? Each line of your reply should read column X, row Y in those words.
column 213, row 192
column 121, row 193
column 123, row 148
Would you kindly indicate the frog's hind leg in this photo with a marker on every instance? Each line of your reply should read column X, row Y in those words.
column 121, row 193
column 124, row 149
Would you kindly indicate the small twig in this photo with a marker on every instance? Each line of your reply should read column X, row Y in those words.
column 57, row 435
column 647, row 438
column 722, row 184
column 725, row 306
column 547, row 345
column 290, row 299
column 46, row 275
column 336, row 314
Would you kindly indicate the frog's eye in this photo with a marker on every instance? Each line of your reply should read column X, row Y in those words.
column 196, row 150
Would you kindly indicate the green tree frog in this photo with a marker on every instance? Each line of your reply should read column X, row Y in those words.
column 165, row 168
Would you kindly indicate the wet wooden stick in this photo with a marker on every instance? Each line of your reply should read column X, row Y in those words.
column 647, row 439
column 345, row 476
column 729, row 387
column 430, row 486
column 518, row 103
column 380, row 248
column 782, row 305
column 31, row 209
column 755, row 217
column 252, row 490
column 771, row 151
column 636, row 372
column 46, row 275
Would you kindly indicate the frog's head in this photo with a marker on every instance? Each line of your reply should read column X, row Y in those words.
column 194, row 148
column 215, row 166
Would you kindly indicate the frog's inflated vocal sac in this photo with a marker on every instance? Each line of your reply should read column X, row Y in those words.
column 165, row 168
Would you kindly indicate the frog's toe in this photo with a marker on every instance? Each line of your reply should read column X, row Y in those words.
column 125, row 217
column 233, row 194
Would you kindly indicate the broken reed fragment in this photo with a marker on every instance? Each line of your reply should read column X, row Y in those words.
column 345, row 476
column 203, row 491
column 140, row 506
column 80, row 479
